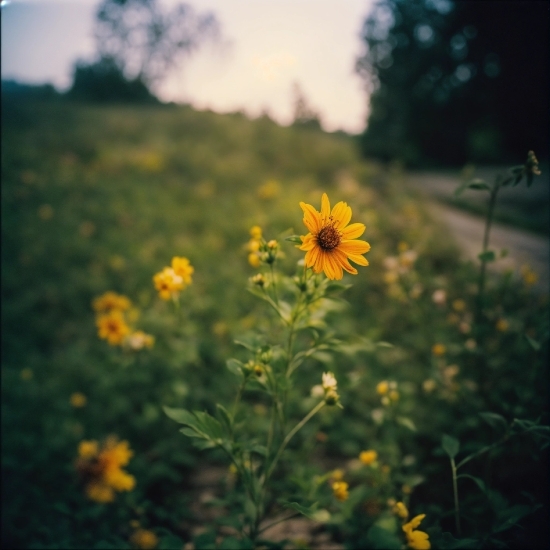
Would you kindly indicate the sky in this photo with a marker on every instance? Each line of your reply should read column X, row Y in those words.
column 267, row 46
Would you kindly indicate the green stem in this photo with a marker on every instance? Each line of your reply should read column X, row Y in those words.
column 274, row 284
column 488, row 222
column 278, row 521
column 289, row 436
column 455, row 491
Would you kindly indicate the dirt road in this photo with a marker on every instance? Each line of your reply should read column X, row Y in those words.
column 524, row 248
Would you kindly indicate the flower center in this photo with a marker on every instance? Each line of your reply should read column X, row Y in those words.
column 329, row 237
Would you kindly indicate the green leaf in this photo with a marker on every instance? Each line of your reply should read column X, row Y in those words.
column 447, row 542
column 224, row 415
column 494, row 420
column 476, row 480
column 460, row 189
column 170, row 542
column 487, row 256
column 479, row 185
column 294, row 239
column 309, row 511
column 534, row 344
column 508, row 517
column 236, row 367
column 180, row 415
column 407, row 422
column 450, row 445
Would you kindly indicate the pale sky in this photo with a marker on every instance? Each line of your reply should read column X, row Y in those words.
column 269, row 45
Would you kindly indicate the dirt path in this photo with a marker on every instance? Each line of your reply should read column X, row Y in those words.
column 524, row 248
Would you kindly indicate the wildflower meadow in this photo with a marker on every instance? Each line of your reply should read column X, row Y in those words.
column 220, row 333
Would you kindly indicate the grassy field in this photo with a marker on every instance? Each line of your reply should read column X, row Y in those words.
column 101, row 198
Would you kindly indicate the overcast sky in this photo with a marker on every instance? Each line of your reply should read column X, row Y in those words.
column 269, row 44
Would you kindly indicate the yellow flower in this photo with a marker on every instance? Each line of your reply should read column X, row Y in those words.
column 340, row 490
column 144, row 539
column 438, row 350
column 337, row 475
column 382, row 387
column 168, row 283
column 269, row 189
column 390, row 277
column 78, row 399
column 331, row 241
column 529, row 276
column 329, row 382
column 400, row 510
column 98, row 492
column 26, row 374
column 111, row 301
column 256, row 232
column 502, row 325
column 368, row 457
column 103, row 468
column 254, row 259
column 394, row 395
column 112, row 327
column 417, row 540
column 88, row 449
column 139, row 340
column 253, row 245
column 183, row 269
column 459, row 305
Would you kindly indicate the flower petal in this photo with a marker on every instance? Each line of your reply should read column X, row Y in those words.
column 343, row 261
column 353, row 231
column 311, row 256
column 325, row 208
column 308, row 242
column 335, row 268
column 341, row 215
column 354, row 247
column 320, row 261
column 358, row 259
column 312, row 218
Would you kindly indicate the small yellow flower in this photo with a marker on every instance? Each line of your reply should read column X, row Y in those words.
column 417, row 540
column 112, row 327
column 340, row 490
column 394, row 395
column 254, row 260
column 139, row 340
column 429, row 385
column 144, row 539
column 400, row 510
column 168, row 283
column 329, row 382
column 459, row 305
column 253, row 245
column 439, row 349
column 26, row 374
column 337, row 475
column 78, row 400
column 98, row 492
column 382, row 387
column 111, row 301
column 502, row 325
column 258, row 279
column 368, row 457
column 88, row 449
column 390, row 277
column 256, row 232
column 183, row 269
column 269, row 189
column 402, row 246
column 102, row 468
column 331, row 241
column 528, row 275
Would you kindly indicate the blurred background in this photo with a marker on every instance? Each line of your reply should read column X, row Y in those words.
column 138, row 130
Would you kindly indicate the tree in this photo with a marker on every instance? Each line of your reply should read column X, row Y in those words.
column 138, row 42
column 304, row 115
column 456, row 81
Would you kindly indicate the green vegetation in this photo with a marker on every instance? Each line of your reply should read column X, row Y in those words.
column 99, row 198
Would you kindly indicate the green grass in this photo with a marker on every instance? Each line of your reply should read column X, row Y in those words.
column 101, row 198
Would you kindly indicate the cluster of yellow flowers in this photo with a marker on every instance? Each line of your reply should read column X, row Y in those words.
column 172, row 280
column 102, row 470
column 387, row 391
column 417, row 540
column 144, row 539
column 259, row 250
column 111, row 322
